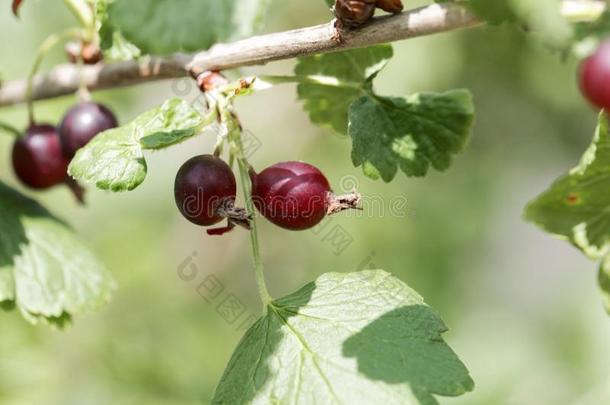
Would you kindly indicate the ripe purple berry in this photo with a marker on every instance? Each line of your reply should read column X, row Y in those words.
column 38, row 159
column 296, row 195
column 82, row 123
column 205, row 191
column 595, row 76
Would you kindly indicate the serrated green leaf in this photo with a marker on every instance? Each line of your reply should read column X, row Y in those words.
column 577, row 206
column 160, row 27
column 358, row 338
column 45, row 270
column 604, row 281
column 387, row 133
column 114, row 160
column 410, row 133
column 329, row 83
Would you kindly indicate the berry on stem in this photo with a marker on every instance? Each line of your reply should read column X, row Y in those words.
column 595, row 76
column 82, row 123
column 296, row 195
column 38, row 159
column 40, row 163
column 205, row 191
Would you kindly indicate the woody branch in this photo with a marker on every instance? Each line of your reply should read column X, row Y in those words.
column 65, row 79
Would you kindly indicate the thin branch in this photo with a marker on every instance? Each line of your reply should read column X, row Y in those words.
column 65, row 79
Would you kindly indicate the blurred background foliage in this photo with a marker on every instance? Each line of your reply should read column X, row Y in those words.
column 523, row 308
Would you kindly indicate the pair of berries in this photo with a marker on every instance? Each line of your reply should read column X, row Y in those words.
column 41, row 156
column 292, row 195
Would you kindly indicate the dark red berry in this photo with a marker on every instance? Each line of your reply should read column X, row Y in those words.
column 82, row 123
column 205, row 191
column 38, row 159
column 595, row 76
column 292, row 195
column 296, row 195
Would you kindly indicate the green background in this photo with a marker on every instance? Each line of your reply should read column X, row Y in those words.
column 523, row 308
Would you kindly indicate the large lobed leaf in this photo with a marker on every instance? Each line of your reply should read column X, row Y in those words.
column 114, row 160
column 411, row 133
column 165, row 27
column 357, row 338
column 45, row 270
column 577, row 206
column 330, row 83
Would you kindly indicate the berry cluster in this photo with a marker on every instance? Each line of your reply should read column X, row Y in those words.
column 41, row 156
column 292, row 195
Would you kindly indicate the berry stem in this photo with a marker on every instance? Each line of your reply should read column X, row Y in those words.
column 45, row 47
column 246, row 184
column 83, row 12
column 256, row 255
column 9, row 129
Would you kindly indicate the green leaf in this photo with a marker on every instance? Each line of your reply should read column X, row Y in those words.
column 114, row 160
column 114, row 45
column 604, row 281
column 163, row 27
column 345, row 339
column 45, row 270
column 329, row 83
column 409, row 133
column 577, row 206
column 387, row 133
